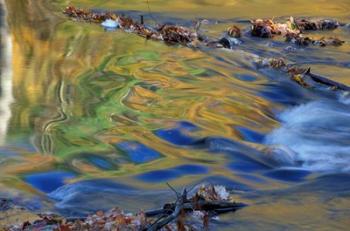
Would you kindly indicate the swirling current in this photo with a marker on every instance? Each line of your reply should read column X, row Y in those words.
column 93, row 119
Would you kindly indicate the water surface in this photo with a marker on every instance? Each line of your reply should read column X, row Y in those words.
column 93, row 119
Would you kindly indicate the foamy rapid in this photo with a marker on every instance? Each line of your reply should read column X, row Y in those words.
column 318, row 133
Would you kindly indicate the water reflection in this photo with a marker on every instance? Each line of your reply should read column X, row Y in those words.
column 6, row 96
column 103, row 119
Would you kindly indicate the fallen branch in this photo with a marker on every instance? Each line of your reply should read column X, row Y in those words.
column 300, row 75
column 179, row 206
column 207, row 202
column 322, row 80
column 213, row 206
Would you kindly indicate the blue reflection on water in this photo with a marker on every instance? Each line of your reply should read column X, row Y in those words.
column 48, row 181
column 250, row 135
column 180, row 134
column 284, row 93
column 100, row 162
column 7, row 152
column 172, row 173
column 293, row 175
column 245, row 77
column 245, row 166
column 137, row 152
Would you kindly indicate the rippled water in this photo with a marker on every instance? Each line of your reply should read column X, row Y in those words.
column 93, row 119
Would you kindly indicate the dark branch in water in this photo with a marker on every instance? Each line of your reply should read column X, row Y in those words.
column 328, row 82
column 179, row 206
column 302, row 75
column 208, row 201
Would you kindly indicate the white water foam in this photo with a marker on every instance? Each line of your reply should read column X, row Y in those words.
column 319, row 134
column 344, row 98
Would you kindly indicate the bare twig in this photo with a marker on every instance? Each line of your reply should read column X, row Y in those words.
column 179, row 205
column 174, row 190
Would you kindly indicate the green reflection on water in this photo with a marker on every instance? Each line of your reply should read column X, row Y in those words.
column 81, row 90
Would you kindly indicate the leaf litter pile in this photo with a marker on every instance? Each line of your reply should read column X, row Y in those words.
column 292, row 30
column 186, row 213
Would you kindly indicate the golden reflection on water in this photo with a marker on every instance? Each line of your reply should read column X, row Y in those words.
column 81, row 90
column 230, row 8
column 56, row 63
column 50, row 94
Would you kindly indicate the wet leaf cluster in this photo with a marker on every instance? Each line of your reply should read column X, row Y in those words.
column 177, row 34
column 87, row 15
column 293, row 31
column 322, row 24
column 171, row 34
column 267, row 28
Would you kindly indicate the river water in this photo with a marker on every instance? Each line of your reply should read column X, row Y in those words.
column 93, row 119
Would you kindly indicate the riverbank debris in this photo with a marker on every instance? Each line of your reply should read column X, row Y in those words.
column 177, row 34
column 234, row 31
column 300, row 39
column 293, row 29
column 229, row 40
column 171, row 34
column 87, row 15
column 11, row 213
column 322, row 24
column 186, row 213
column 267, row 28
column 301, row 75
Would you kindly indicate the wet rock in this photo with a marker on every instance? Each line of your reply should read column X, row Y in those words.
column 229, row 43
column 290, row 49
